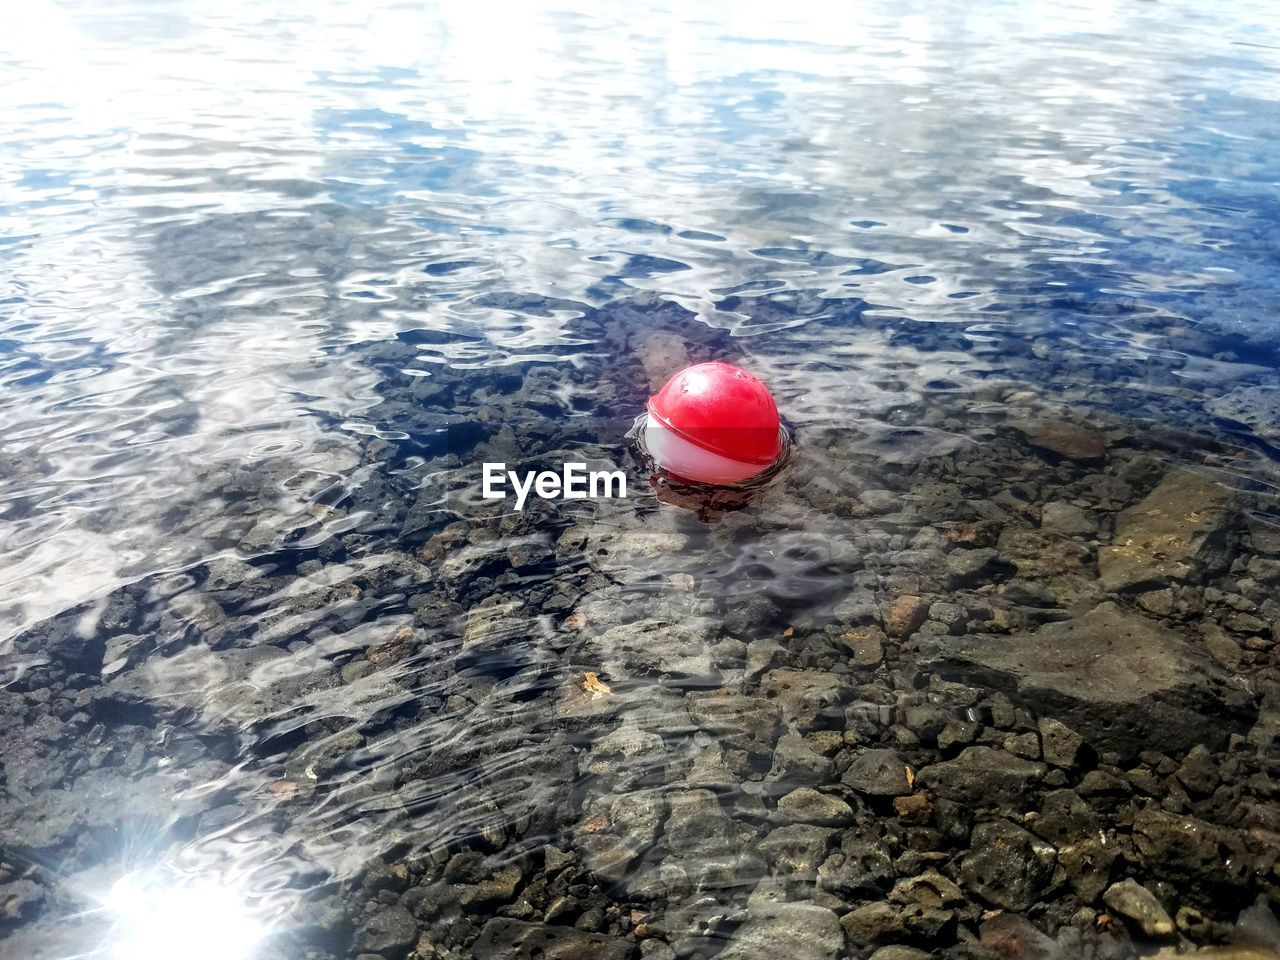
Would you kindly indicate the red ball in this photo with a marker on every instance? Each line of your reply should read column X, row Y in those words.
column 723, row 409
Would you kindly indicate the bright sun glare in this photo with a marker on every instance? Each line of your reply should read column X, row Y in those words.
column 160, row 918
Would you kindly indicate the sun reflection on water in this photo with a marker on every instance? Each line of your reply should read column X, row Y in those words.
column 158, row 916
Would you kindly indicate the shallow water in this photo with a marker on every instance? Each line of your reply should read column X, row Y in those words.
column 276, row 285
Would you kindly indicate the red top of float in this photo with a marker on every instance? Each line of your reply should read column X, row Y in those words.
column 721, row 408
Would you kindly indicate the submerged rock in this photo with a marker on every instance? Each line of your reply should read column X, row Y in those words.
column 1060, row 744
column 807, row 698
column 1067, row 519
column 786, row 931
column 389, row 933
column 1016, row 938
column 806, row 805
column 1176, row 532
column 1085, row 852
column 967, row 568
column 795, row 762
column 656, row 647
column 1258, row 407
column 1007, row 865
column 878, row 773
column 865, row 645
column 1065, row 439
column 1124, row 682
column 906, row 614
column 1135, row 902
column 1196, row 856
column 798, row 848
column 982, row 776
column 737, row 722
column 860, row 868
column 505, row 939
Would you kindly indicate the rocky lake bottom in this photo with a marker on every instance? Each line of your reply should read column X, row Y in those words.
column 1001, row 682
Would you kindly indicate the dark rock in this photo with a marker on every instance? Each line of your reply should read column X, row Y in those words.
column 967, row 568
column 505, row 939
column 865, row 645
column 1125, row 682
column 879, row 922
column 388, row 933
column 1256, row 406
column 798, row 848
column 1065, row 567
column 1191, row 854
column 915, row 808
column 654, row 647
column 749, row 616
column 1198, row 773
column 736, row 721
column 1015, row 938
column 880, row 501
column 465, row 867
column 1006, row 865
column 861, row 868
column 957, row 733
column 1099, row 783
column 697, row 824
column 1025, row 745
column 499, row 887
column 982, row 776
column 951, row 615
column 873, row 923
column 60, row 640
column 607, row 855
column 1067, row 519
column 878, row 773
column 761, row 655
column 325, row 920
column 1085, row 853
column 1060, row 744
column 929, row 889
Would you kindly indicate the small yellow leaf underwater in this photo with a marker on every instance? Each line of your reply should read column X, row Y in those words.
column 594, row 685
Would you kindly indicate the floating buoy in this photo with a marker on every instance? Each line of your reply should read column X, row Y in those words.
column 714, row 423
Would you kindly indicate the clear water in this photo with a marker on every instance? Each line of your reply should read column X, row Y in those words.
column 276, row 283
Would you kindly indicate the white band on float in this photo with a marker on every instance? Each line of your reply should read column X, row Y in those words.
column 691, row 462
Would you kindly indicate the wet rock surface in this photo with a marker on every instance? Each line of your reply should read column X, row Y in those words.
column 1177, row 531
column 1125, row 681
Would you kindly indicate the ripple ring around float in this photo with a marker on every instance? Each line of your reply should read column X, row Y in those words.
column 713, row 423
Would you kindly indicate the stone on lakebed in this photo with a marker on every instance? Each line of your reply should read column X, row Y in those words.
column 1125, row 682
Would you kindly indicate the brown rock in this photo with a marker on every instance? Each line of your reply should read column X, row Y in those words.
column 905, row 616
column 1065, row 439
column 913, row 809
column 392, row 651
column 1015, row 938
column 864, row 645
